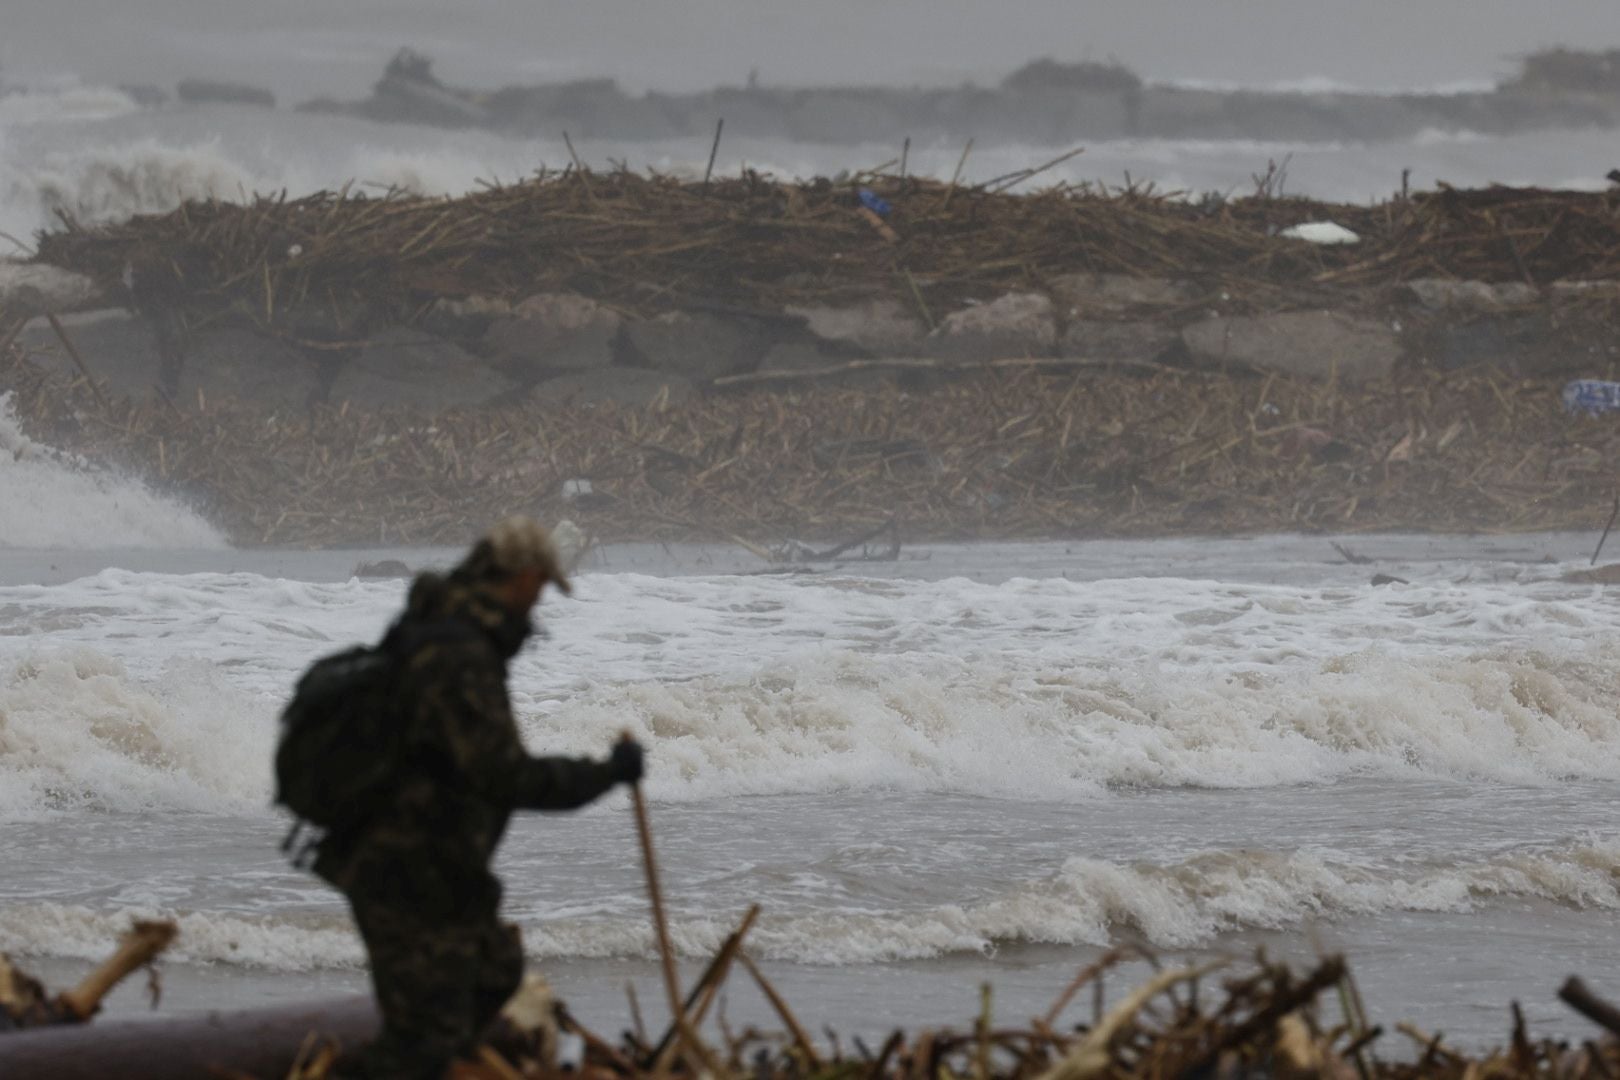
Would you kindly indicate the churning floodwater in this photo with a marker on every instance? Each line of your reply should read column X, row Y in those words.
column 980, row 762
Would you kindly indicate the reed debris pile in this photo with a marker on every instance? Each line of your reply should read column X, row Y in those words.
column 1216, row 1019
column 1261, row 1020
column 1008, row 453
column 649, row 244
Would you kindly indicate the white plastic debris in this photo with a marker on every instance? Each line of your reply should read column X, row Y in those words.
column 576, row 489
column 1321, row 232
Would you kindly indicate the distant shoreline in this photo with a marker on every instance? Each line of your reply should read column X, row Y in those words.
column 1045, row 102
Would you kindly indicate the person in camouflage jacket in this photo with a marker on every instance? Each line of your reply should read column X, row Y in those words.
column 417, row 874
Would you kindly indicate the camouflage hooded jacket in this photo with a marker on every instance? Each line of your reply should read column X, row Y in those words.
column 464, row 768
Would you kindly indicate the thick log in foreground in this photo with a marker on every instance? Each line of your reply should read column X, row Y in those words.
column 256, row 1042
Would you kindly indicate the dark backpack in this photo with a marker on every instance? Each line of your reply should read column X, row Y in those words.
column 340, row 754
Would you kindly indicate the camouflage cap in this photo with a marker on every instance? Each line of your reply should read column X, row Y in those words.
column 513, row 545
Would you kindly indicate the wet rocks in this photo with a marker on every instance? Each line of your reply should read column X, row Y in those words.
column 551, row 333
column 403, row 368
column 239, row 365
column 1132, row 341
column 121, row 352
column 1310, row 344
column 35, row 288
column 1440, row 294
column 880, row 327
column 697, row 345
column 1017, row 324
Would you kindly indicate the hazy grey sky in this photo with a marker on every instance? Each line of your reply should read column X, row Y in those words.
column 304, row 47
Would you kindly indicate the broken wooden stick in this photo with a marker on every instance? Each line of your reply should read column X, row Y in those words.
column 666, row 951
column 702, row 995
column 782, row 1010
column 139, row 947
column 1606, row 527
column 25, row 1003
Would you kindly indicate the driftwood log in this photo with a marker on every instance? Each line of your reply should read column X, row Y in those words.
column 257, row 1042
column 25, row 1003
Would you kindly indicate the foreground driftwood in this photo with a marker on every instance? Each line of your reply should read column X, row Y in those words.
column 261, row 1042
column 25, row 1003
column 1217, row 1019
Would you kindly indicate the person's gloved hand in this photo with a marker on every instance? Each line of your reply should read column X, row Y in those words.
column 625, row 762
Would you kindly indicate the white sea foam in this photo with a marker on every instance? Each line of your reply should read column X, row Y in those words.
column 77, row 728
column 105, row 183
column 850, row 721
column 55, row 500
column 1087, row 902
column 1029, row 689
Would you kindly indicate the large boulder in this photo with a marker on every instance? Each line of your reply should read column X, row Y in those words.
column 1567, row 292
column 878, row 327
column 120, row 350
column 36, row 288
column 1536, row 344
column 700, row 346
column 1312, row 344
column 239, row 365
column 1096, row 339
column 1443, row 294
column 618, row 386
column 401, row 368
column 1017, row 324
column 553, row 332
column 1080, row 296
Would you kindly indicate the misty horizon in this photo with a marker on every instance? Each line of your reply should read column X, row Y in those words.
column 302, row 49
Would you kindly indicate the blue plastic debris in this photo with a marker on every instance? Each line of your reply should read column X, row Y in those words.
column 1592, row 396
column 871, row 201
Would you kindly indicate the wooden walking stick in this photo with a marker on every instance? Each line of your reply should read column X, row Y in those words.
column 661, row 927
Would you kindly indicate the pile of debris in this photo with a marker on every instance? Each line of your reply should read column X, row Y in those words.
column 643, row 245
column 1214, row 1019
column 1010, row 452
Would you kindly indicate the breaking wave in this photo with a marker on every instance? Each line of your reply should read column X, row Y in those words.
column 103, row 184
column 77, row 729
column 74, row 505
column 1185, row 904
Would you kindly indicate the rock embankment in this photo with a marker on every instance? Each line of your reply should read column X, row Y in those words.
column 568, row 349
column 583, row 289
